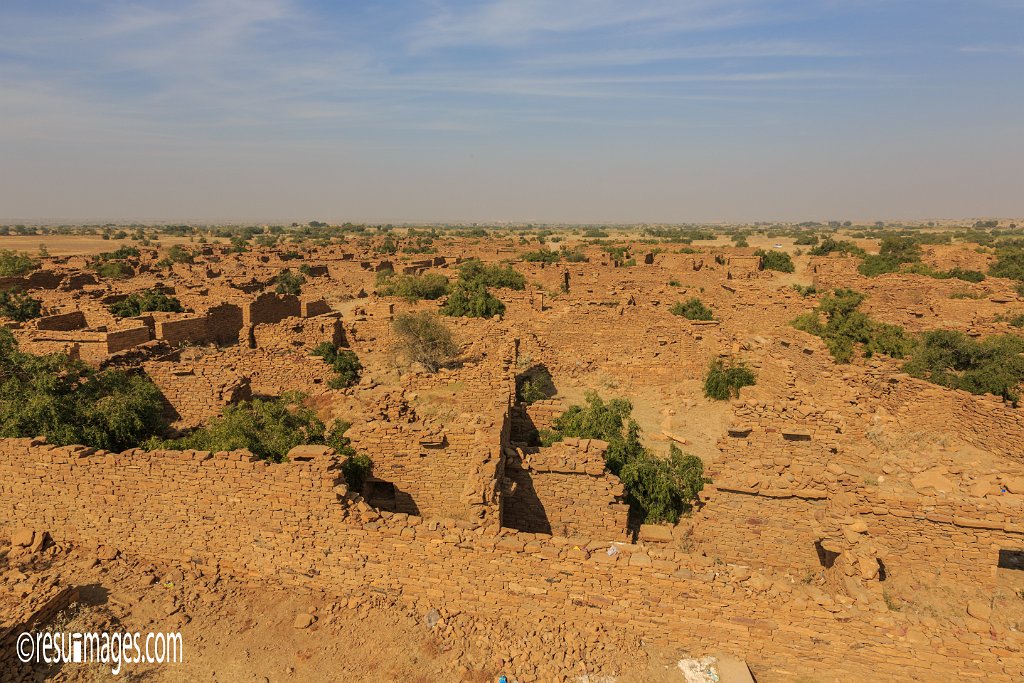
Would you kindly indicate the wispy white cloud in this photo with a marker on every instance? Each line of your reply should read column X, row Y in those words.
column 517, row 22
column 994, row 49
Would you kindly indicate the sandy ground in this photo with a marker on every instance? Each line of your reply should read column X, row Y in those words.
column 70, row 245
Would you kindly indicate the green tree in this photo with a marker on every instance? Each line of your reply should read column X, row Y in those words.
column 661, row 489
column 288, row 282
column 476, row 272
column 19, row 306
column 70, row 403
column 268, row 428
column 146, row 301
column 428, row 286
column 14, row 263
column 344, row 362
column 775, row 260
column 725, row 381
column 471, row 300
column 664, row 488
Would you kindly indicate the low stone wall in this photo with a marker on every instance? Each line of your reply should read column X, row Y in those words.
column 288, row 523
column 565, row 490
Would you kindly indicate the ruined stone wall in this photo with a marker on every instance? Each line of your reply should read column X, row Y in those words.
column 306, row 333
column 564, row 490
column 194, row 392
column 286, row 523
column 271, row 308
column 760, row 531
column 64, row 321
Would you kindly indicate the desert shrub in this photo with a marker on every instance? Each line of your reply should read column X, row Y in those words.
column 269, row 428
column 542, row 256
column 805, row 290
column 356, row 467
column 289, row 282
column 344, row 362
column 474, row 271
column 413, row 287
column 893, row 253
column 845, row 327
column 471, row 300
column 113, row 270
column 19, row 306
column 609, row 421
column 664, row 488
column 388, row 246
column 661, row 489
column 965, row 275
column 70, row 403
column 534, row 385
column 952, row 359
column 692, row 309
column 725, row 381
column 178, row 254
column 119, row 254
column 573, row 255
column 775, row 260
column 1009, row 263
column 144, row 302
column 15, row 263
column 423, row 338
column 830, row 246
column 806, row 240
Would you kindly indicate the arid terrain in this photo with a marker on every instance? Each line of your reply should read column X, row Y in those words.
column 551, row 453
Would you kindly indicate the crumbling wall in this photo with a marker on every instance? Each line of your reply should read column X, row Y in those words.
column 564, row 490
column 270, row 307
column 213, row 512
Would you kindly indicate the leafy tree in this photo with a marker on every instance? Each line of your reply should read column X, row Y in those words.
column 70, row 403
column 344, row 362
column 661, row 489
column 542, row 256
column 692, row 309
column 952, row 359
column 894, row 252
column 19, row 306
column 428, row 286
column 609, row 421
column 725, row 381
column 830, row 246
column 423, row 338
column 474, row 271
column 775, row 260
column 472, row 300
column 114, row 270
column 1009, row 263
column 268, row 428
column 845, row 327
column 664, row 488
column 120, row 254
column 142, row 302
column 178, row 254
column 807, row 239
column 288, row 282
column 14, row 263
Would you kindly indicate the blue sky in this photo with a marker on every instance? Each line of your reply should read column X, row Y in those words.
column 575, row 110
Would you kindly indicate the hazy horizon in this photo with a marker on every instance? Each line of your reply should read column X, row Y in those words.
column 578, row 111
